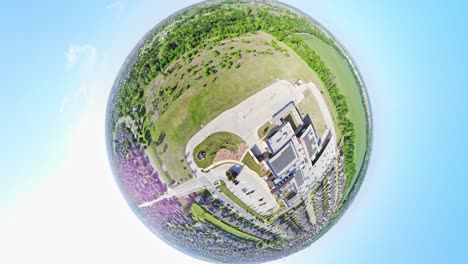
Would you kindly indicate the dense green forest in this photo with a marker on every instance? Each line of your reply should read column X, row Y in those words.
column 206, row 26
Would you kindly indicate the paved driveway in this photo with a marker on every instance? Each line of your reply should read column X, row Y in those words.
column 244, row 120
column 247, row 117
column 252, row 189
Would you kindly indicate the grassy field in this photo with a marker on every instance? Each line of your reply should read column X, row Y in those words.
column 260, row 65
column 200, row 214
column 349, row 87
column 250, row 162
column 212, row 144
column 265, row 129
column 273, row 217
column 287, row 192
column 151, row 152
column 310, row 106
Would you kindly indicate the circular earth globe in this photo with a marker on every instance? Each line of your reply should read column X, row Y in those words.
column 239, row 131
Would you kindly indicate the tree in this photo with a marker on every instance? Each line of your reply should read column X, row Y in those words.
column 231, row 175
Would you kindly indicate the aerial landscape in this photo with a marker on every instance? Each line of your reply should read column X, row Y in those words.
column 239, row 131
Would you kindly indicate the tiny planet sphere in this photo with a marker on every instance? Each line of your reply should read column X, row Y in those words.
column 239, row 131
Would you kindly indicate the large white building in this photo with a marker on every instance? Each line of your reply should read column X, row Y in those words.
column 292, row 151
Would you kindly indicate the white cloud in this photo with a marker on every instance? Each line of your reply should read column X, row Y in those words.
column 118, row 6
column 64, row 103
column 82, row 62
column 85, row 93
column 82, row 57
column 78, row 215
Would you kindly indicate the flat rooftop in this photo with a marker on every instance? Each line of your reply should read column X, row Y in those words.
column 289, row 109
column 299, row 177
column 309, row 141
column 286, row 158
column 280, row 138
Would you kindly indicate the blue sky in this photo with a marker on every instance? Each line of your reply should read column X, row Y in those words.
column 57, row 195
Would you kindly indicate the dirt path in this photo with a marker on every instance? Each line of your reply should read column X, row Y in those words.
column 225, row 154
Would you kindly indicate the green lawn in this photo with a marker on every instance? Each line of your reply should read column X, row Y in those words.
column 209, row 96
column 252, row 164
column 213, row 143
column 151, row 151
column 273, row 217
column 310, row 106
column 200, row 214
column 286, row 193
column 349, row 87
column 265, row 129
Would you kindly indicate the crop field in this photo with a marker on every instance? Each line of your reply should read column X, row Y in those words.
column 238, row 69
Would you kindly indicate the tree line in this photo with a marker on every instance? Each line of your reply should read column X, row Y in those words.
column 207, row 26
